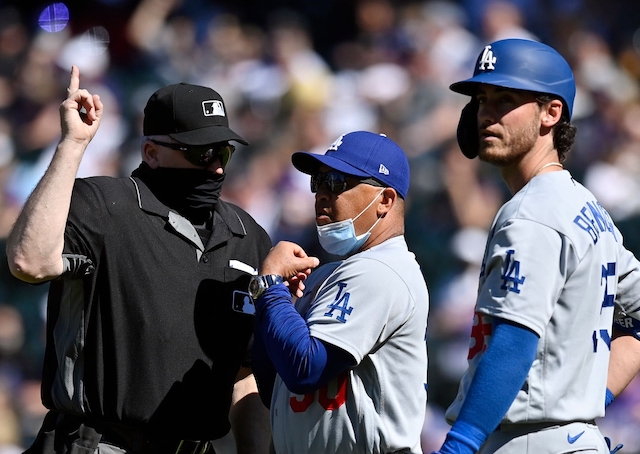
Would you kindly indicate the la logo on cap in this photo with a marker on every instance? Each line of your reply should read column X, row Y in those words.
column 213, row 108
column 334, row 146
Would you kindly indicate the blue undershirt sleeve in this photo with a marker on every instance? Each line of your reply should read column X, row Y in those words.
column 499, row 376
column 303, row 362
column 609, row 398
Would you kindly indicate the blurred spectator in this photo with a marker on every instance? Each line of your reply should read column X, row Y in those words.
column 503, row 19
column 10, row 425
column 379, row 32
column 31, row 410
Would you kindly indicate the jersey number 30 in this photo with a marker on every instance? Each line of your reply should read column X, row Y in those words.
column 327, row 402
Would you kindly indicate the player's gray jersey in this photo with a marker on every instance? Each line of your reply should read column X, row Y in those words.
column 554, row 262
column 373, row 305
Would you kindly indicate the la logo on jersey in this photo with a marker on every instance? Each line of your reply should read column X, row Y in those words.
column 487, row 59
column 341, row 304
column 511, row 278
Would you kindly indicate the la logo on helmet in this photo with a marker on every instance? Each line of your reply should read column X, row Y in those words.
column 487, row 59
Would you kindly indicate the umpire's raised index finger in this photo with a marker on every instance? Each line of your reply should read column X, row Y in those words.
column 74, row 81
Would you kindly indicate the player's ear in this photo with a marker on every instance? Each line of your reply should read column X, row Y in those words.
column 551, row 113
column 389, row 197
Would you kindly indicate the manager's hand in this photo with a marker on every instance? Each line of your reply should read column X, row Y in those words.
column 291, row 262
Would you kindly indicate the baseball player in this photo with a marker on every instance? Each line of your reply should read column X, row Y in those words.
column 553, row 268
column 350, row 357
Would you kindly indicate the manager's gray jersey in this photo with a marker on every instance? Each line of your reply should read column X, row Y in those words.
column 373, row 305
column 554, row 263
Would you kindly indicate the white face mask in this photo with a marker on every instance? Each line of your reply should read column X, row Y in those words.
column 339, row 238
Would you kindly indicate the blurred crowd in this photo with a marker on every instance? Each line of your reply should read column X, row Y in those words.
column 294, row 77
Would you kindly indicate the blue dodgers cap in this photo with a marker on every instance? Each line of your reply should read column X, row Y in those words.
column 362, row 154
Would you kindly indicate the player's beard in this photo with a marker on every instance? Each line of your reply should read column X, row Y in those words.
column 511, row 149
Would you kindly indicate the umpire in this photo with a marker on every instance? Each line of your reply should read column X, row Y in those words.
column 148, row 320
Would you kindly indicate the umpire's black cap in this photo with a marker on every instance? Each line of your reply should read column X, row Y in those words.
column 190, row 114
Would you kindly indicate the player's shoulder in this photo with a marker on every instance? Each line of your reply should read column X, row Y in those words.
column 557, row 187
column 391, row 259
column 320, row 274
column 390, row 253
column 553, row 199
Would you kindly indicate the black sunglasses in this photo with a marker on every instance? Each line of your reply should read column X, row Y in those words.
column 337, row 181
column 202, row 155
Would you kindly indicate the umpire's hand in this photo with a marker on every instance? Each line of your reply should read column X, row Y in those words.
column 80, row 113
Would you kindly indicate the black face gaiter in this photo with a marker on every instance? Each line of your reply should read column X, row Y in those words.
column 191, row 192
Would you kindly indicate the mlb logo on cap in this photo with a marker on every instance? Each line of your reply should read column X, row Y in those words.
column 213, row 107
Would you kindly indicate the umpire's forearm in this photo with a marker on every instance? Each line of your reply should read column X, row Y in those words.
column 34, row 246
column 249, row 418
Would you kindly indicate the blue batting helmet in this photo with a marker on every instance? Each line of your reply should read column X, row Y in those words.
column 522, row 64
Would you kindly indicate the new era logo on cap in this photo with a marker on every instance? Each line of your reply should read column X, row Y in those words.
column 213, row 107
column 382, row 169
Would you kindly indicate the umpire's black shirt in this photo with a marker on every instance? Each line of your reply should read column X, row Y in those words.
column 147, row 326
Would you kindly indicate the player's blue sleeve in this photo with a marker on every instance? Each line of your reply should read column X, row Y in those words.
column 500, row 375
column 303, row 362
column 609, row 398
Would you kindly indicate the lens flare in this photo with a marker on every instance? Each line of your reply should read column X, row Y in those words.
column 97, row 40
column 54, row 17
